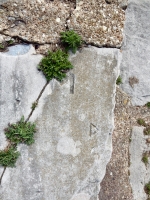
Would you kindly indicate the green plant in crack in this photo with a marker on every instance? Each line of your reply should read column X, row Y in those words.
column 119, row 80
column 55, row 65
column 141, row 122
column 2, row 46
column 21, row 132
column 9, row 157
column 34, row 105
column 71, row 40
column 145, row 159
column 10, row 42
column 147, row 188
column 148, row 104
column 147, row 130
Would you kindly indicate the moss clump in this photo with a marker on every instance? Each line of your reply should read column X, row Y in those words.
column 147, row 188
column 148, row 104
column 141, row 122
column 71, row 40
column 147, row 130
column 9, row 157
column 119, row 80
column 34, row 105
column 55, row 65
column 21, row 132
column 145, row 159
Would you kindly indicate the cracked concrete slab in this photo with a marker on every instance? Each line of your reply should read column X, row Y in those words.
column 139, row 172
column 135, row 66
column 73, row 143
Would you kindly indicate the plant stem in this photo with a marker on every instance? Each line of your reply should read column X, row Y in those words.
column 2, row 174
column 30, row 114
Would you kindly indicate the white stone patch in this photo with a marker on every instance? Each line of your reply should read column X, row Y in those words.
column 81, row 196
column 82, row 117
column 68, row 146
column 58, row 19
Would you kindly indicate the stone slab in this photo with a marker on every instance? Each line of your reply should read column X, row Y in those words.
column 17, row 75
column 139, row 173
column 136, row 52
column 73, row 143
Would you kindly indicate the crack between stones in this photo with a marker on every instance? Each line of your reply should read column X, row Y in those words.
column 59, row 43
column 36, row 101
column 30, row 114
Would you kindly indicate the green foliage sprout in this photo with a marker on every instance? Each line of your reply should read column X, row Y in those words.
column 148, row 104
column 34, row 105
column 55, row 65
column 21, row 132
column 147, row 188
column 71, row 40
column 1, row 46
column 145, row 159
column 147, row 130
column 119, row 80
column 9, row 157
column 141, row 122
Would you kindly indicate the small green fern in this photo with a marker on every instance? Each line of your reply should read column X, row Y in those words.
column 21, row 132
column 71, row 40
column 9, row 157
column 55, row 65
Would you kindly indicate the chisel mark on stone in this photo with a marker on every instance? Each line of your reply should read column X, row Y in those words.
column 72, row 82
column 93, row 129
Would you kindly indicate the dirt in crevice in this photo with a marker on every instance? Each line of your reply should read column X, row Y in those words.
column 116, row 184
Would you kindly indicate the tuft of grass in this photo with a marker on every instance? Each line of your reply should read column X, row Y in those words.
column 141, row 122
column 147, row 130
column 148, row 104
column 145, row 159
column 147, row 188
column 55, row 65
column 21, row 132
column 71, row 40
column 9, row 157
column 119, row 80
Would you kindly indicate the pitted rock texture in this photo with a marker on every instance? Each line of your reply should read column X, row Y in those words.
column 73, row 143
column 98, row 23
column 41, row 21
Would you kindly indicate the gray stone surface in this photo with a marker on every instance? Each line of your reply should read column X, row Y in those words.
column 136, row 51
column 19, row 49
column 73, row 143
column 20, row 84
column 139, row 173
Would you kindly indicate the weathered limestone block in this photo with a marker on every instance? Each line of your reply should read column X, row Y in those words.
column 135, row 66
column 139, row 172
column 73, row 143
